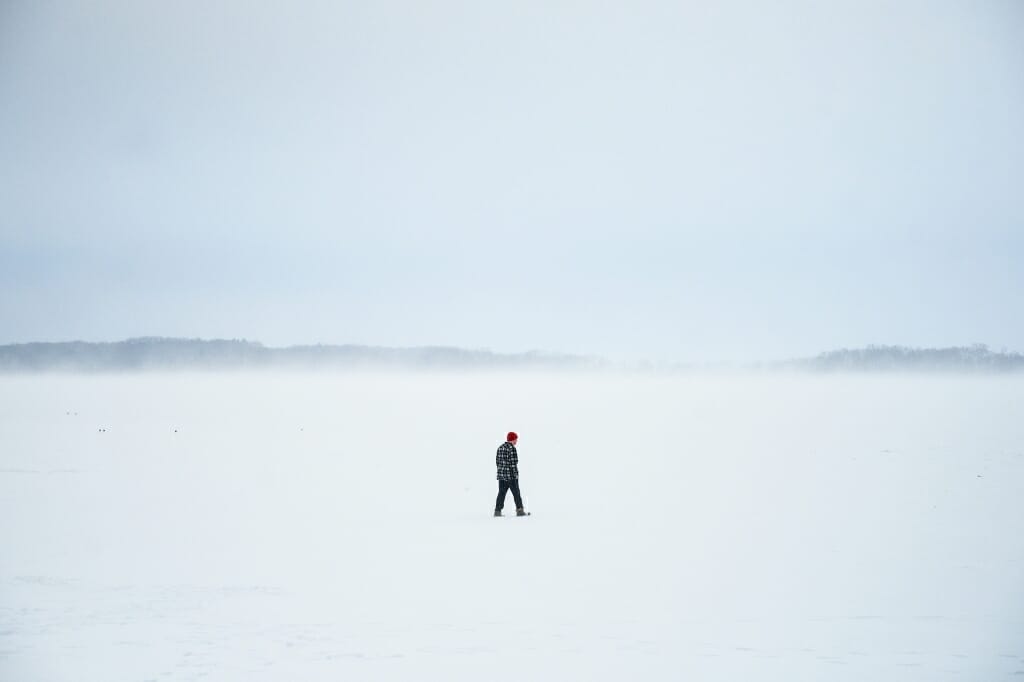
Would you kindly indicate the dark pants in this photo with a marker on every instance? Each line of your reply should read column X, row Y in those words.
column 503, row 488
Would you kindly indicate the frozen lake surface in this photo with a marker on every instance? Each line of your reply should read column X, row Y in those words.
column 338, row 527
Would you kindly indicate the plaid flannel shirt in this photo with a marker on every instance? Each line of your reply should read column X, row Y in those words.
column 507, row 460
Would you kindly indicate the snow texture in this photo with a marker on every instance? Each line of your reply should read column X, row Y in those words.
column 338, row 526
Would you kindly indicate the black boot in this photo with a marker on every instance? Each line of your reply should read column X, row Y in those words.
column 520, row 511
column 497, row 512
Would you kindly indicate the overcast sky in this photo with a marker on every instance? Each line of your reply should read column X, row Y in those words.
column 667, row 180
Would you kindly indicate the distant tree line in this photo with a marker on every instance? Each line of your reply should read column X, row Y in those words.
column 975, row 358
column 170, row 353
column 157, row 353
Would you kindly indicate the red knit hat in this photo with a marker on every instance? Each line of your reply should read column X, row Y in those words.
column 512, row 437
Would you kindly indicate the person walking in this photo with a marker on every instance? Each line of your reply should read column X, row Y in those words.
column 507, row 460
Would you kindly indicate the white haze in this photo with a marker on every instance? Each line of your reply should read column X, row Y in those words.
column 674, row 181
column 337, row 526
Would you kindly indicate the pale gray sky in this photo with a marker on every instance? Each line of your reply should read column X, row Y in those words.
column 687, row 181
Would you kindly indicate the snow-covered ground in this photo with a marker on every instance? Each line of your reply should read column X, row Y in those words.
column 338, row 527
